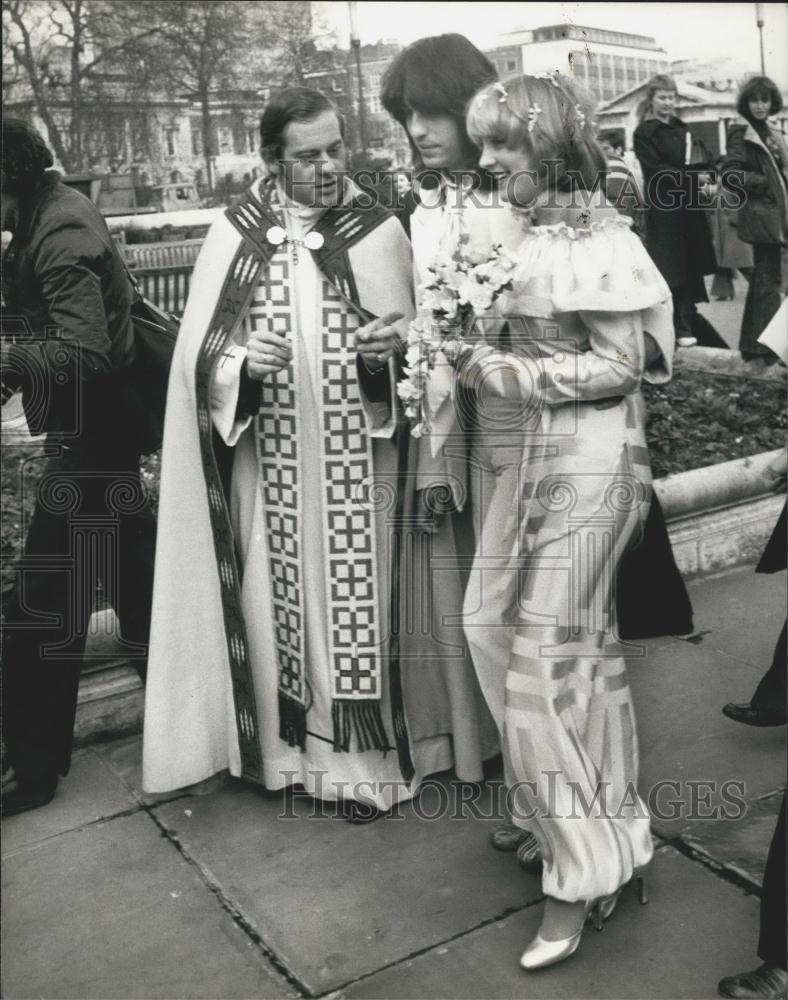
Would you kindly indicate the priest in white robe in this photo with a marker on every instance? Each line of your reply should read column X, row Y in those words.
column 278, row 649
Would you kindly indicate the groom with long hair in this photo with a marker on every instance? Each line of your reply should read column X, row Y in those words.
column 427, row 89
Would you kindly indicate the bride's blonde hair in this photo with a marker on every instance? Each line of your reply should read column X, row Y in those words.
column 547, row 115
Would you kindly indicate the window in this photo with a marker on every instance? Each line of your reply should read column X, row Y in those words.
column 374, row 79
column 511, row 66
column 578, row 58
column 225, row 136
column 196, row 142
column 171, row 141
column 374, row 105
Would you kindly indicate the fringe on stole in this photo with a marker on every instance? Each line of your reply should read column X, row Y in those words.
column 361, row 719
column 406, row 766
column 292, row 722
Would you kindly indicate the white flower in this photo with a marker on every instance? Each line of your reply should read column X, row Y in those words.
column 439, row 300
column 406, row 391
column 478, row 294
column 477, row 255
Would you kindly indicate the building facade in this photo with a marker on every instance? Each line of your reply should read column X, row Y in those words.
column 337, row 74
column 507, row 59
column 160, row 140
column 607, row 63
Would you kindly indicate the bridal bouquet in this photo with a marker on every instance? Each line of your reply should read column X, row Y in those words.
column 462, row 285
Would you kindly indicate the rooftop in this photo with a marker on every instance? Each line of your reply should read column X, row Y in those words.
column 604, row 36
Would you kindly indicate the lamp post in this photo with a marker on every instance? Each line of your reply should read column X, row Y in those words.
column 759, row 21
column 355, row 44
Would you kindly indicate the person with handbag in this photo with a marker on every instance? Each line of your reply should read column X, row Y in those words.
column 756, row 165
column 68, row 346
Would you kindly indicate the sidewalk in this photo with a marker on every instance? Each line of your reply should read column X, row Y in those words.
column 726, row 317
column 107, row 894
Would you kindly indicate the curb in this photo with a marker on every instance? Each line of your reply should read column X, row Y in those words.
column 721, row 515
column 718, row 361
column 718, row 516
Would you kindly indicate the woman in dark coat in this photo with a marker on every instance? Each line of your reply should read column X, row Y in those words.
column 757, row 164
column 677, row 232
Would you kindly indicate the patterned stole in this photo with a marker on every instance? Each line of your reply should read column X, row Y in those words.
column 350, row 547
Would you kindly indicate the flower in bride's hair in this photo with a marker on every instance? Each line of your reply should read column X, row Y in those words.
column 533, row 116
column 581, row 116
column 496, row 88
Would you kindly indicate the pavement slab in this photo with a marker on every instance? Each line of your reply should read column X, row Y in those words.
column 738, row 596
column 110, row 893
column 685, row 739
column 113, row 910
column 679, row 690
column 696, row 929
column 88, row 793
column 740, row 846
column 335, row 901
column 124, row 759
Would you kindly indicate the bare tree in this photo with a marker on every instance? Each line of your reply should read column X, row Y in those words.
column 290, row 29
column 199, row 48
column 66, row 53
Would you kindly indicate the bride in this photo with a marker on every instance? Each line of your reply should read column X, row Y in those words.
column 585, row 297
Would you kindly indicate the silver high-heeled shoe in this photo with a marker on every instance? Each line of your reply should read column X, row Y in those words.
column 605, row 906
column 541, row 953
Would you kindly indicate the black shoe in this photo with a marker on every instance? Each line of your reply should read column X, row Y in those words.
column 27, row 795
column 766, row 981
column 749, row 715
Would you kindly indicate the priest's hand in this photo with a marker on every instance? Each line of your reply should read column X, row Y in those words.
column 266, row 354
column 377, row 341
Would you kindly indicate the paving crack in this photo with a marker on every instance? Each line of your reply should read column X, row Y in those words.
column 337, row 991
column 33, row 844
column 230, row 907
column 726, row 872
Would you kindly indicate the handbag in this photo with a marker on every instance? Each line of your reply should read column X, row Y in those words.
column 155, row 333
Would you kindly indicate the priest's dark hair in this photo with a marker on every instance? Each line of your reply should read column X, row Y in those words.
column 759, row 87
column 25, row 157
column 292, row 104
column 436, row 76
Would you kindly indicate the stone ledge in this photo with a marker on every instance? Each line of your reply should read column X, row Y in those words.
column 714, row 486
column 718, row 361
column 710, row 541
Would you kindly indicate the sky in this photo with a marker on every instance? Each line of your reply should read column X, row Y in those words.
column 684, row 30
